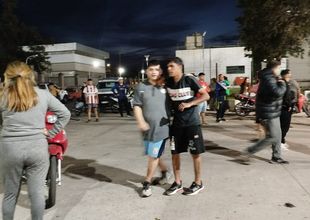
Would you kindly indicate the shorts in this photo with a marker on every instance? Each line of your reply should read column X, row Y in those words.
column 187, row 138
column 92, row 105
column 202, row 107
column 154, row 149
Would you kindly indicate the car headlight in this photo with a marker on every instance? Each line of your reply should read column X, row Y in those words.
column 51, row 119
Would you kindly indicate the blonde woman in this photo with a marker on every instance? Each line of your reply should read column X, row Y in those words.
column 23, row 138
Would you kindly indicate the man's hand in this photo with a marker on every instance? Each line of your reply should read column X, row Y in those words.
column 184, row 105
column 143, row 126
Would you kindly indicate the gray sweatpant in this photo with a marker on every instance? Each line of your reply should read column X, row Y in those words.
column 273, row 137
column 15, row 157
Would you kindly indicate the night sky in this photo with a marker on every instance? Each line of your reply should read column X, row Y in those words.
column 132, row 28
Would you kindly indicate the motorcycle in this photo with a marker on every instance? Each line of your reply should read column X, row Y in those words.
column 57, row 146
column 79, row 107
column 303, row 105
column 246, row 104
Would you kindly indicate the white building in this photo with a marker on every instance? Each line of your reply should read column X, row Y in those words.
column 230, row 61
column 300, row 67
column 74, row 63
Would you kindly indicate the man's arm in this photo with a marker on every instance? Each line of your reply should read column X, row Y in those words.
column 204, row 97
column 142, row 124
column 276, row 87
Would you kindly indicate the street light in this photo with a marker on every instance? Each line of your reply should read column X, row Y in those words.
column 30, row 57
column 142, row 73
column 147, row 63
column 121, row 71
column 95, row 65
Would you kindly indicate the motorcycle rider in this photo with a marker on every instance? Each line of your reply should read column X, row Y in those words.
column 23, row 143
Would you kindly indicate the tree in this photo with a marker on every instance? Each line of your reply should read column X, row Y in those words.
column 272, row 29
column 14, row 35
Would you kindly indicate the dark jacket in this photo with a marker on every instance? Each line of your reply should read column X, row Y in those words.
column 288, row 98
column 269, row 95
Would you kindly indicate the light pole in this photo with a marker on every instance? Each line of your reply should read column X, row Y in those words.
column 147, row 63
column 210, row 63
column 142, row 72
column 30, row 57
column 203, row 51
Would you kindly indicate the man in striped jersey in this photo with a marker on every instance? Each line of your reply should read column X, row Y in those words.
column 91, row 98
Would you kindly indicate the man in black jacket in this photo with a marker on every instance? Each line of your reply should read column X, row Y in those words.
column 268, row 110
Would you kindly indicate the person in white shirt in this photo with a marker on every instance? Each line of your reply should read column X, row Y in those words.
column 91, row 98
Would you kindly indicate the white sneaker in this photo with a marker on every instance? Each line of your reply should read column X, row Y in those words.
column 146, row 189
column 284, row 146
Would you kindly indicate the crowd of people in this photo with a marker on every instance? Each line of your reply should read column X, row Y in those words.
column 168, row 110
column 276, row 94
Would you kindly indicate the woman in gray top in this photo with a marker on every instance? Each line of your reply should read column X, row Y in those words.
column 23, row 137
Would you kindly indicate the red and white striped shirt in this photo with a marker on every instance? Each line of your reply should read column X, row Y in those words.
column 91, row 94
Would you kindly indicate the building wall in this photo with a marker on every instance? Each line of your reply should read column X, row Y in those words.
column 73, row 63
column 300, row 67
column 206, row 60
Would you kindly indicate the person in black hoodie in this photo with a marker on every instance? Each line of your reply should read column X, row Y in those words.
column 268, row 110
column 287, row 107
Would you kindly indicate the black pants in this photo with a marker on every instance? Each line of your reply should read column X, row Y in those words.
column 285, row 120
column 222, row 107
column 123, row 103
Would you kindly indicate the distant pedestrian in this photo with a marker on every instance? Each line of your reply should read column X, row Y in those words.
column 152, row 115
column 120, row 90
column 212, row 94
column 289, row 101
column 245, row 86
column 202, row 107
column 91, row 97
column 227, row 85
column 221, row 98
column 269, row 101
column 23, row 138
column 186, row 134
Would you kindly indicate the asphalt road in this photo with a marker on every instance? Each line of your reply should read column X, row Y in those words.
column 104, row 166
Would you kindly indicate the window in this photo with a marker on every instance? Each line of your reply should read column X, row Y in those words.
column 235, row 70
column 105, row 85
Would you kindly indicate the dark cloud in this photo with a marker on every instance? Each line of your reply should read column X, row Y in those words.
column 132, row 27
column 225, row 39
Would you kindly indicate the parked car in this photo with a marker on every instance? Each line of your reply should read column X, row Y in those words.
column 105, row 94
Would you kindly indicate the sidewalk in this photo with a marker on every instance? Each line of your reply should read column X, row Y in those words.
column 104, row 167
